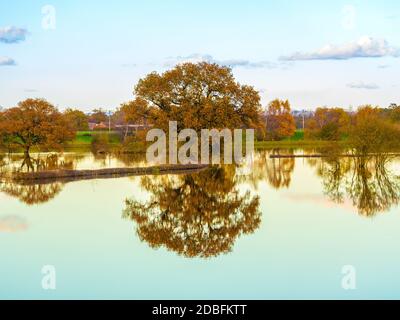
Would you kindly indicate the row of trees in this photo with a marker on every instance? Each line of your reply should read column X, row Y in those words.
column 197, row 96
column 370, row 128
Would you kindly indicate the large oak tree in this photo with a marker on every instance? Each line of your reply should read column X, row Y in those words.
column 200, row 96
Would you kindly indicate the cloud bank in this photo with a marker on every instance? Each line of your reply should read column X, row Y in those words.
column 12, row 34
column 5, row 61
column 365, row 47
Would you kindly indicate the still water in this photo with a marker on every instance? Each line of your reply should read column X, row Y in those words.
column 269, row 229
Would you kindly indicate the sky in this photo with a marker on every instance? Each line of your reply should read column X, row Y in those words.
column 90, row 54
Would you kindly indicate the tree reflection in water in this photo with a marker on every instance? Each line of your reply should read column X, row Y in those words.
column 279, row 171
column 195, row 215
column 367, row 181
column 207, row 207
column 32, row 193
column 374, row 188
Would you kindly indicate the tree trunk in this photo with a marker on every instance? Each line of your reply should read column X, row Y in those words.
column 27, row 160
column 26, row 152
column 126, row 132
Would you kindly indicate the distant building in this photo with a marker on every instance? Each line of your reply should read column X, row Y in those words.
column 97, row 126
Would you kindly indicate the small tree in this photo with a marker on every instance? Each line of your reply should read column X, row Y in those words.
column 77, row 119
column 98, row 116
column 35, row 122
column 280, row 122
column 394, row 112
column 328, row 124
column 135, row 112
column 372, row 132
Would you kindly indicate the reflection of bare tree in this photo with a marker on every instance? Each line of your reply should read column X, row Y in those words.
column 39, row 162
column 28, row 163
column 195, row 215
column 31, row 194
column 255, row 169
column 54, row 162
column 334, row 171
column 373, row 187
column 366, row 180
column 279, row 171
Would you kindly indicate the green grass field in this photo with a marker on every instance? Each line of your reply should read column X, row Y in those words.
column 298, row 141
column 87, row 137
column 84, row 140
column 84, row 137
column 298, row 135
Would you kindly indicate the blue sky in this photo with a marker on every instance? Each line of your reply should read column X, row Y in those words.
column 98, row 50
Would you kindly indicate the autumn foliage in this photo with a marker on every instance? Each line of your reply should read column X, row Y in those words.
column 280, row 122
column 195, row 215
column 34, row 123
column 135, row 112
column 372, row 132
column 199, row 96
column 328, row 124
column 77, row 119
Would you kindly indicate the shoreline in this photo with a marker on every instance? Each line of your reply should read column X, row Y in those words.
column 140, row 148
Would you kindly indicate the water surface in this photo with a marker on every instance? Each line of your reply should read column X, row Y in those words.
column 269, row 229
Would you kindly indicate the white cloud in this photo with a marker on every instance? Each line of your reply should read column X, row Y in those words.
column 362, row 85
column 5, row 61
column 233, row 63
column 365, row 47
column 12, row 34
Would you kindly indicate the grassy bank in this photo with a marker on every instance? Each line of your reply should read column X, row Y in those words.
column 88, row 137
column 298, row 141
column 101, row 141
column 104, row 141
column 299, row 144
